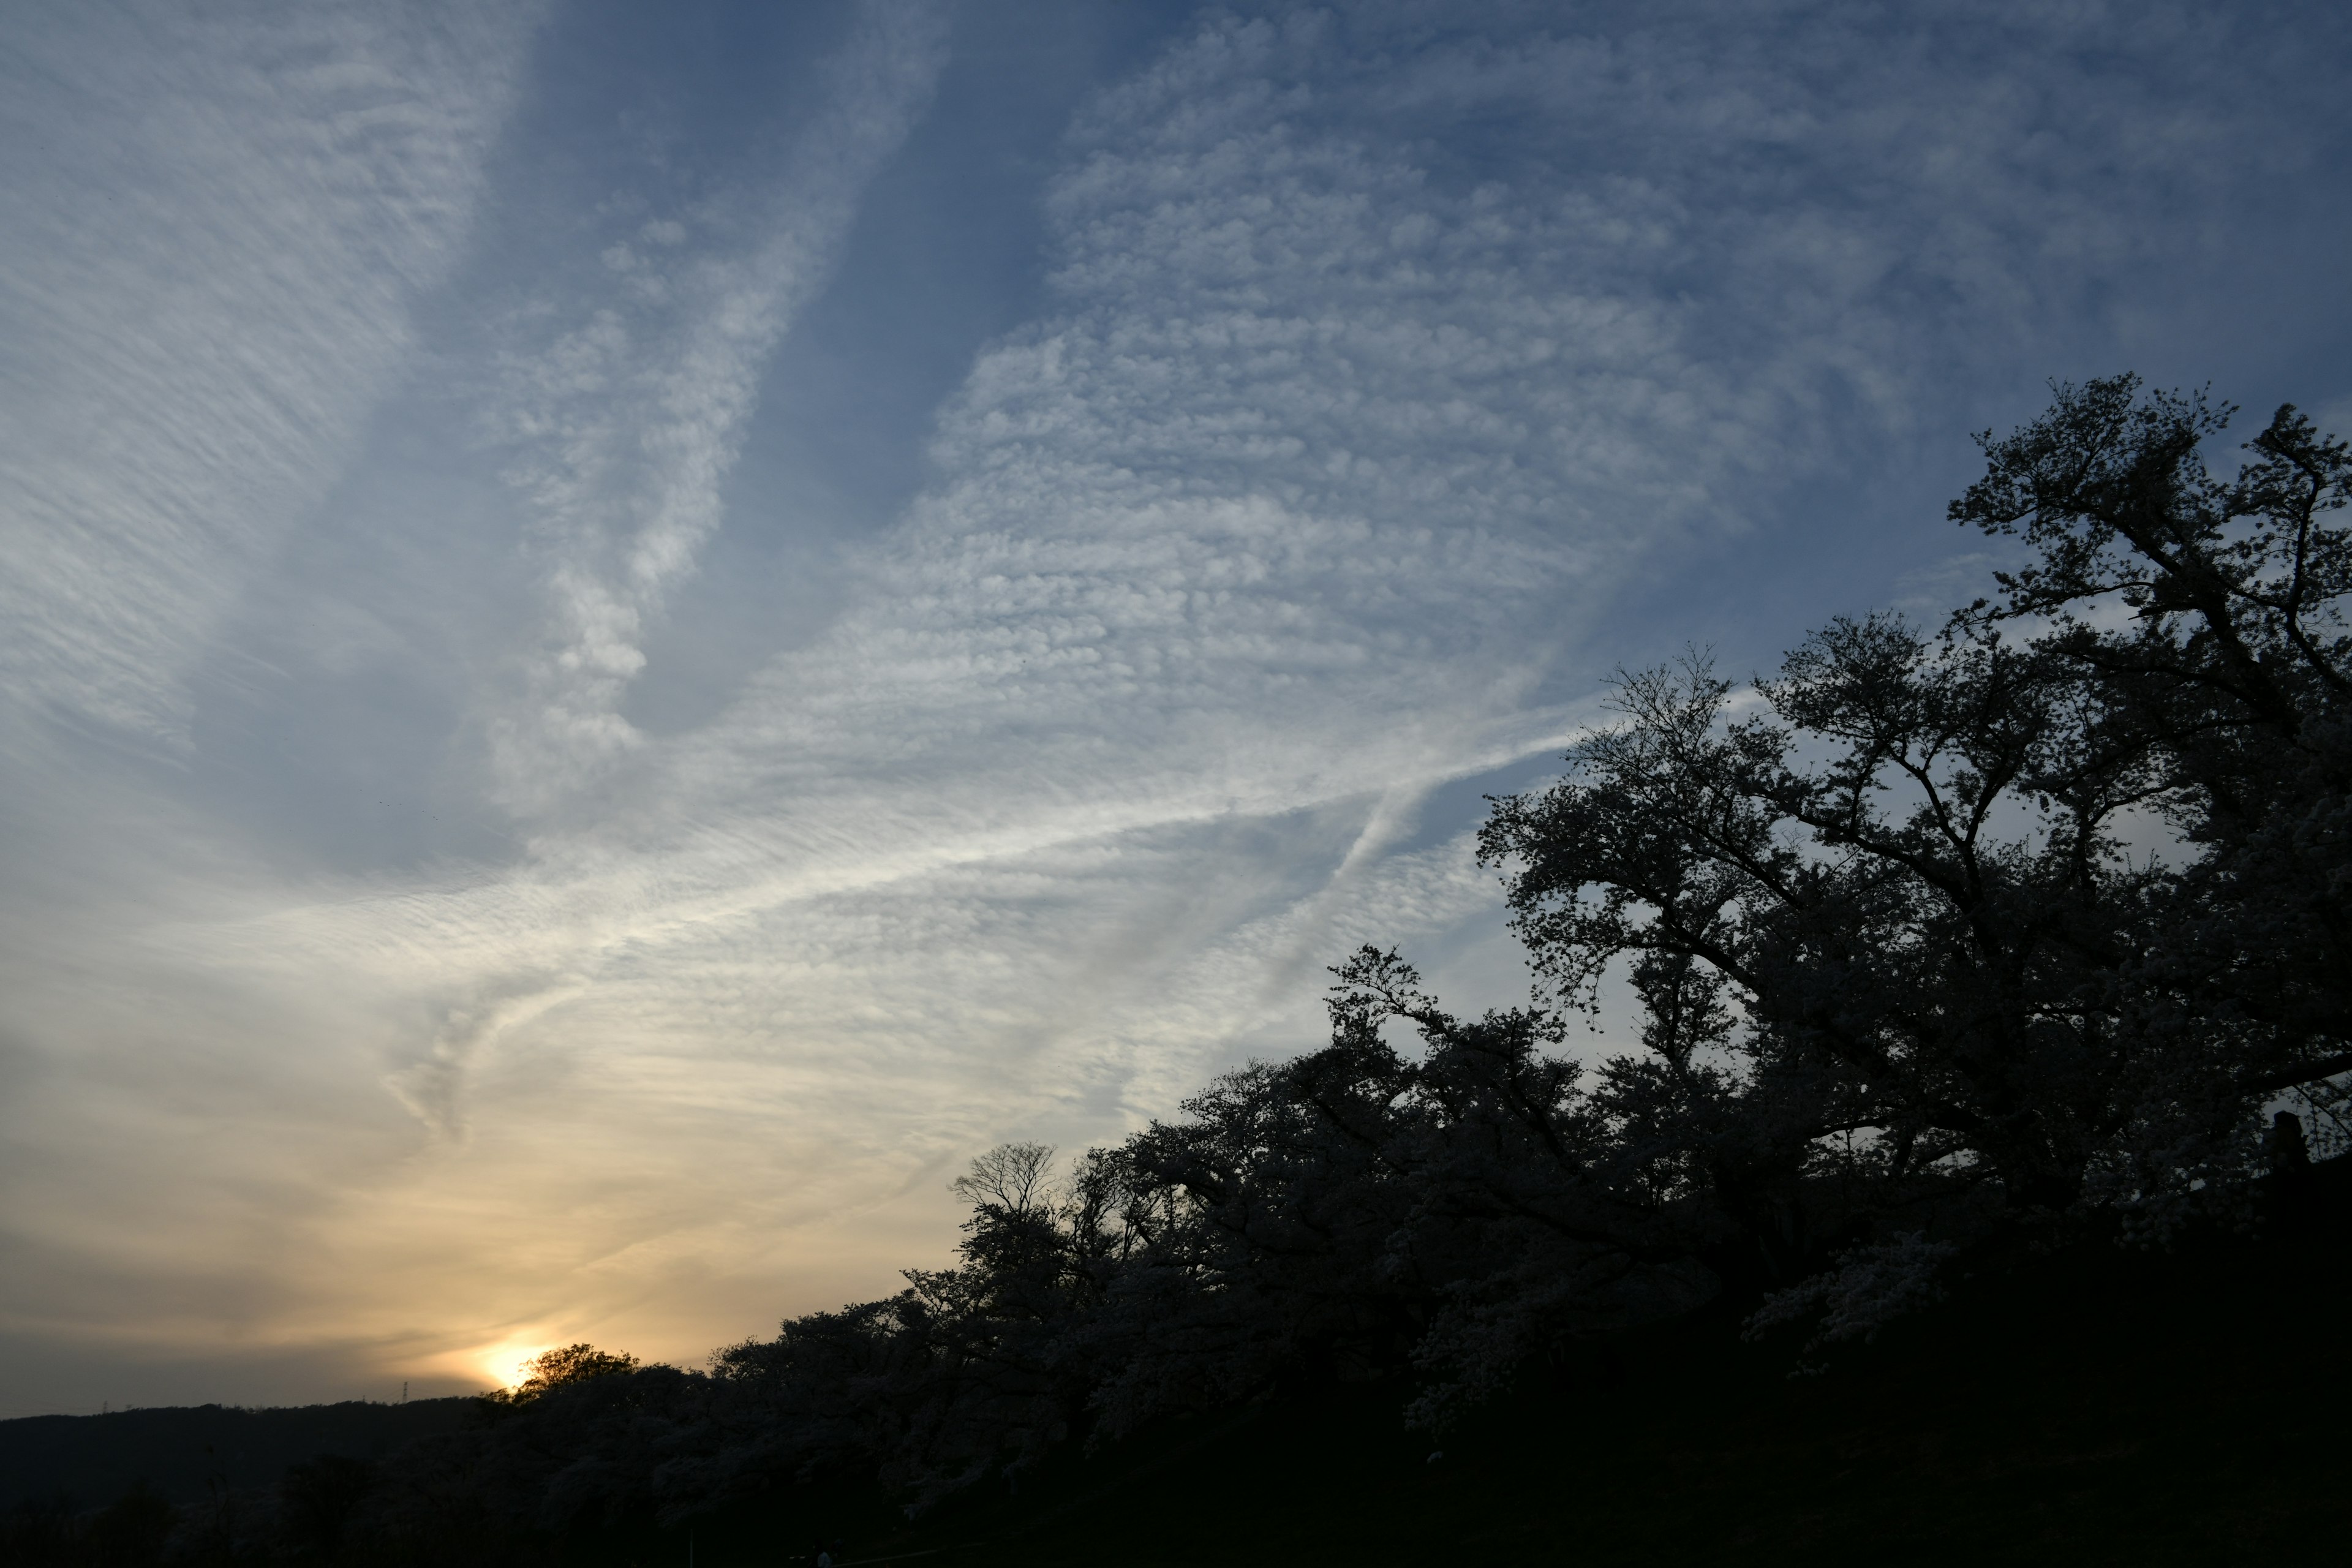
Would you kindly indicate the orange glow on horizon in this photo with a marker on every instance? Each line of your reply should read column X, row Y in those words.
column 502, row 1363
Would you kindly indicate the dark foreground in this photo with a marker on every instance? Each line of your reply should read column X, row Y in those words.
column 2096, row 1405
column 184, row 1454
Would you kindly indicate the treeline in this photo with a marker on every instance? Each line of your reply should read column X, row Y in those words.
column 1937, row 943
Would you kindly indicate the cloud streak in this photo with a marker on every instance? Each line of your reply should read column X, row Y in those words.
column 1379, row 382
column 625, row 426
column 221, row 230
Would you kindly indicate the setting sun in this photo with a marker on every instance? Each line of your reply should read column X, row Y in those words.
column 501, row 1364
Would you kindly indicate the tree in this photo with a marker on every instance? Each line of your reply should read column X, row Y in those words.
column 1010, row 1177
column 1898, row 961
column 561, row 1367
column 2225, row 687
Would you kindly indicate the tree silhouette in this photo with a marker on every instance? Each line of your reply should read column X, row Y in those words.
column 563, row 1365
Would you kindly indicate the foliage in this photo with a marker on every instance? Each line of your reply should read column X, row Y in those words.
column 560, row 1367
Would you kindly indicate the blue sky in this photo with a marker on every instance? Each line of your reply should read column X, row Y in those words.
column 628, row 632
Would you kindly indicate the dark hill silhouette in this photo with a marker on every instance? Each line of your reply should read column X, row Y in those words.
column 182, row 1451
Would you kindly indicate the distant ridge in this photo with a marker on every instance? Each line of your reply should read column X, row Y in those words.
column 179, row 1450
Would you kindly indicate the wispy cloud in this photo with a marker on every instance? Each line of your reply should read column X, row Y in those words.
column 625, row 425
column 220, row 226
column 1378, row 374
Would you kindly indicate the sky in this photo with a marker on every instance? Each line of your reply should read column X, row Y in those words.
column 626, row 633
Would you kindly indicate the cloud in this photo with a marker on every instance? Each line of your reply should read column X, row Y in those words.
column 222, row 225
column 623, row 426
column 1386, row 381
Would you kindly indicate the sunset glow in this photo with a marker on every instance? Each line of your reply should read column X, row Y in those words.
column 506, row 1364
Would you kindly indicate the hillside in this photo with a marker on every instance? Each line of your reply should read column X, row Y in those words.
column 181, row 1452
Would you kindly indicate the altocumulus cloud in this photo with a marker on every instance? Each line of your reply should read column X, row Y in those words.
column 220, row 226
column 1381, row 357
